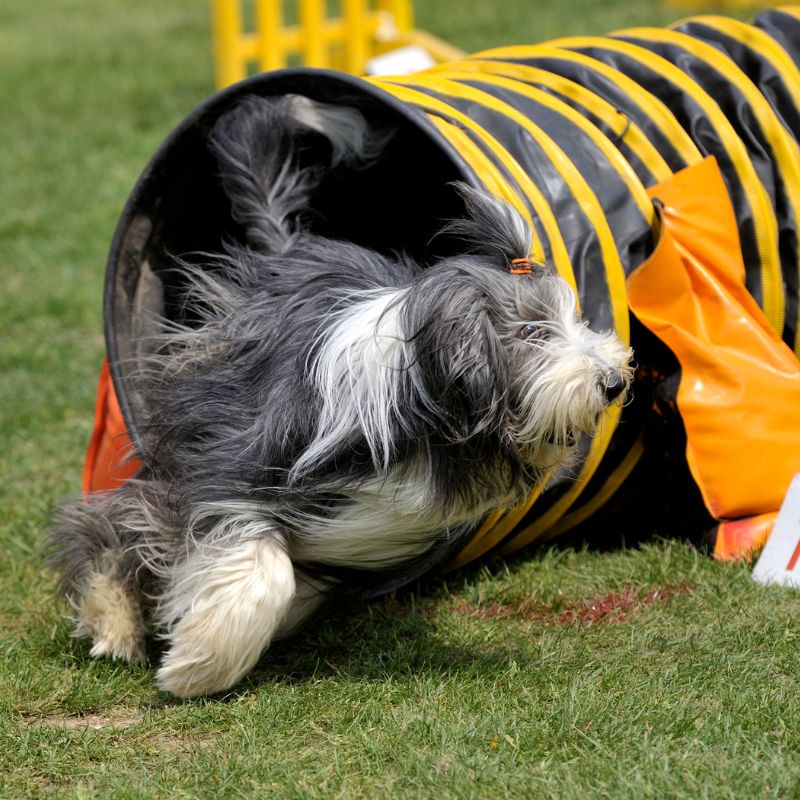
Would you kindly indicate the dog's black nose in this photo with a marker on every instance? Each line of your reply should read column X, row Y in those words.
column 613, row 387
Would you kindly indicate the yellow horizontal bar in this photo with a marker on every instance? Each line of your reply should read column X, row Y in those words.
column 292, row 38
column 440, row 50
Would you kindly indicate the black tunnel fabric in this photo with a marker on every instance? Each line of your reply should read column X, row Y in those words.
column 622, row 94
column 572, row 133
column 771, row 148
column 759, row 57
column 713, row 134
column 783, row 25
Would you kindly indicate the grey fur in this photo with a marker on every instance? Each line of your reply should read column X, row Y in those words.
column 430, row 423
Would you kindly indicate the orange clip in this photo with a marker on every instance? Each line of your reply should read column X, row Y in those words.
column 525, row 269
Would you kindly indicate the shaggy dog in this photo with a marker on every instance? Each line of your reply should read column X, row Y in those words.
column 330, row 417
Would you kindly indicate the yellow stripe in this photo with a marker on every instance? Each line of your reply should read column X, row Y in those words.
column 488, row 536
column 766, row 226
column 438, row 108
column 473, row 550
column 601, row 141
column 487, row 173
column 494, row 530
column 625, row 129
column 765, row 46
column 606, row 492
column 583, row 194
column 657, row 112
column 791, row 11
column 759, row 41
column 546, row 521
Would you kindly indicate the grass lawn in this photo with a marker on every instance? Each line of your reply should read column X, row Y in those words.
column 649, row 672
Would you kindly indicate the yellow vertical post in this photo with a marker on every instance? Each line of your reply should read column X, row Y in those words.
column 312, row 17
column 226, row 18
column 269, row 23
column 401, row 11
column 343, row 34
column 355, row 35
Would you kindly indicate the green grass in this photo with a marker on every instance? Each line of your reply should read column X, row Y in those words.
column 492, row 685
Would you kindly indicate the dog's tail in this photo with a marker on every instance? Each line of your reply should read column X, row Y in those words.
column 257, row 146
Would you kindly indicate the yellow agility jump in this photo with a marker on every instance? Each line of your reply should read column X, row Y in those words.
column 306, row 34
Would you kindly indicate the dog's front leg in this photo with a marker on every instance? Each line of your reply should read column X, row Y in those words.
column 222, row 605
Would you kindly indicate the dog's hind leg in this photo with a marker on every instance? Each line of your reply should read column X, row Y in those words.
column 222, row 605
column 110, row 614
column 100, row 577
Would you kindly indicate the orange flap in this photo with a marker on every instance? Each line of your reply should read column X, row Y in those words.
column 742, row 538
column 739, row 394
column 108, row 459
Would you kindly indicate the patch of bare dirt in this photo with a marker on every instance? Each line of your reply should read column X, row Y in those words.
column 91, row 722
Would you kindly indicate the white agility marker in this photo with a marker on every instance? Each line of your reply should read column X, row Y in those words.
column 779, row 561
column 402, row 61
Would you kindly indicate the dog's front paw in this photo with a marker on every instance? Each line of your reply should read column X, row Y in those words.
column 231, row 609
column 206, row 656
column 192, row 671
column 111, row 617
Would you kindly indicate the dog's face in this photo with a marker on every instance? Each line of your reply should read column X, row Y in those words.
column 507, row 355
column 563, row 375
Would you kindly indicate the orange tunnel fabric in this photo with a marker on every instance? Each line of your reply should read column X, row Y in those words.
column 739, row 394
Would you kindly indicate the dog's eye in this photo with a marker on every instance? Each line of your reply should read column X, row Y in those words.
column 530, row 331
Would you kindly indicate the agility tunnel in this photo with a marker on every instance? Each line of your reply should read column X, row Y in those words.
column 658, row 161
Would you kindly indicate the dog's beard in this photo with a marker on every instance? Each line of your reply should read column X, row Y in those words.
column 566, row 376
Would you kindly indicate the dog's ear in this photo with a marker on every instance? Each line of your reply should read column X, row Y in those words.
column 459, row 371
column 489, row 227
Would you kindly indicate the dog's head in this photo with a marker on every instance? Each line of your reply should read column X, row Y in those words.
column 509, row 356
column 499, row 346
